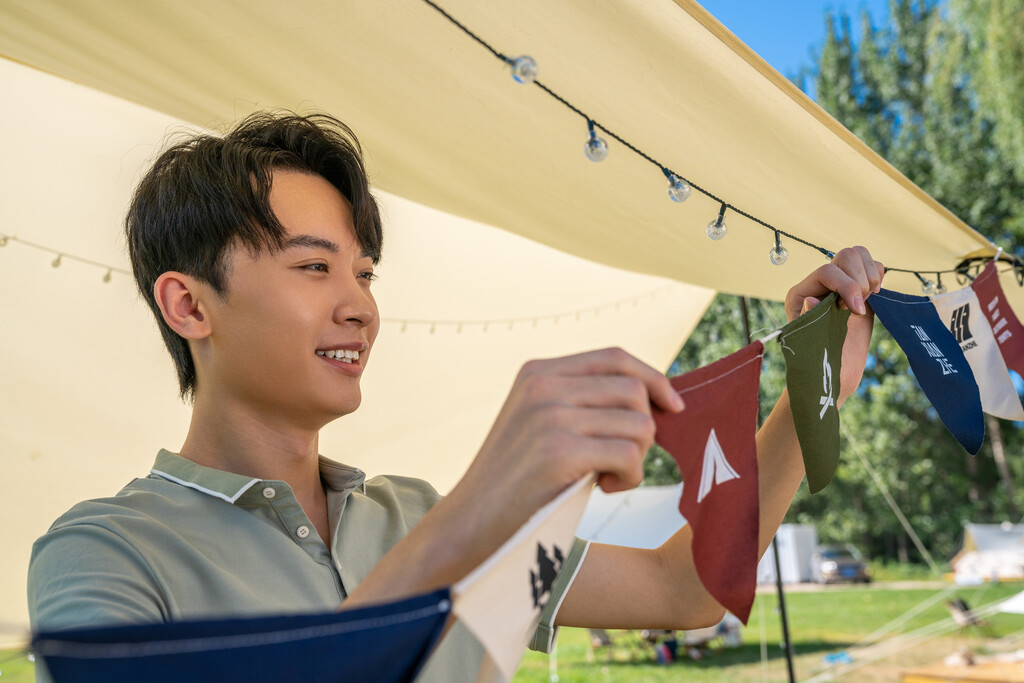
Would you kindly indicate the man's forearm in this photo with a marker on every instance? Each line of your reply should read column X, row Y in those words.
column 780, row 469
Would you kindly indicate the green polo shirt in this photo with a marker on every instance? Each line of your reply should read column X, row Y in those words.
column 191, row 542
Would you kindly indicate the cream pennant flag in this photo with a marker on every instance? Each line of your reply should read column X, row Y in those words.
column 501, row 600
column 961, row 312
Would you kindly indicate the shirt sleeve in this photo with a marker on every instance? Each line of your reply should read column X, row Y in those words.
column 544, row 637
column 88, row 575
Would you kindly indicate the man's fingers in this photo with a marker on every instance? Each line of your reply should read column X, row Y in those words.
column 619, row 461
column 608, row 362
column 852, row 273
column 874, row 271
column 809, row 303
column 608, row 423
column 589, row 391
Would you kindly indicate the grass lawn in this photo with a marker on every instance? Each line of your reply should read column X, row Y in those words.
column 821, row 622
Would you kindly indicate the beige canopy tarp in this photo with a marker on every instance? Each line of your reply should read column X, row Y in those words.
column 87, row 393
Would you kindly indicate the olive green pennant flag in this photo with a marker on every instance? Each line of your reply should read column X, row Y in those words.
column 813, row 348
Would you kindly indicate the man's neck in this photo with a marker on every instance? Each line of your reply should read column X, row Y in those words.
column 223, row 437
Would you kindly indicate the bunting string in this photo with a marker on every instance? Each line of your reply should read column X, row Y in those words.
column 575, row 315
column 524, row 70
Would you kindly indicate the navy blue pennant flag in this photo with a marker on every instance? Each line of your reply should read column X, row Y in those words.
column 937, row 361
column 387, row 643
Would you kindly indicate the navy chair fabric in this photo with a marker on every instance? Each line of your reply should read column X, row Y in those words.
column 383, row 643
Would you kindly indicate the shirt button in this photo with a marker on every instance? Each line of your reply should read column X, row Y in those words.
column 269, row 492
column 302, row 531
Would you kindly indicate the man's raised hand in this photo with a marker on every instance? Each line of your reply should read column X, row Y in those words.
column 854, row 275
column 564, row 418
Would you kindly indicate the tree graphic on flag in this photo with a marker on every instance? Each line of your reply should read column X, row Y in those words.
column 713, row 442
column 960, row 310
column 501, row 600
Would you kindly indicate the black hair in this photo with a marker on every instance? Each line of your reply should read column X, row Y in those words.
column 209, row 193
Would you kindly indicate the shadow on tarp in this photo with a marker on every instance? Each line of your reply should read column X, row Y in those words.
column 387, row 643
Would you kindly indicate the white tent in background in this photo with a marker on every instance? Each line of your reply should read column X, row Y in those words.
column 644, row 517
column 990, row 552
column 87, row 395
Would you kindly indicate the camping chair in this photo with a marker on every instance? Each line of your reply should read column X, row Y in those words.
column 965, row 618
column 631, row 643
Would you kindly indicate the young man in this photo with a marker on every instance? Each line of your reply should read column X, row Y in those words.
column 256, row 253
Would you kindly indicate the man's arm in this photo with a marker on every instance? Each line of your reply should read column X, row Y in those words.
column 564, row 418
column 629, row 588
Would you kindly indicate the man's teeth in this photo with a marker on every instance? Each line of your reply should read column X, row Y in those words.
column 342, row 355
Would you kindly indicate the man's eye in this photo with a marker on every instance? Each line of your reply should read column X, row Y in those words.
column 319, row 267
column 368, row 275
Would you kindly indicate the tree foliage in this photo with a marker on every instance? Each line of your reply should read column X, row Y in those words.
column 996, row 35
column 912, row 90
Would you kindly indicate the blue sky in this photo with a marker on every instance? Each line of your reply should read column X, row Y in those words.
column 784, row 32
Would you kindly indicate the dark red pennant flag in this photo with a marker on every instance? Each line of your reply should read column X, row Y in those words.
column 713, row 442
column 1005, row 327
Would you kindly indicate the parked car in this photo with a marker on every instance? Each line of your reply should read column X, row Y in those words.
column 834, row 563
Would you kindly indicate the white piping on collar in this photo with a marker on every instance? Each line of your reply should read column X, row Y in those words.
column 203, row 489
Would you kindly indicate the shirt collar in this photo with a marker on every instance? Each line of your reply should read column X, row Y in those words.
column 229, row 486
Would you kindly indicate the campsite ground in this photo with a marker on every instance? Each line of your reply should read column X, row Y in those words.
column 823, row 620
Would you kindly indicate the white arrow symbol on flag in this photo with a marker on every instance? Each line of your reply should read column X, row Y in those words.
column 716, row 469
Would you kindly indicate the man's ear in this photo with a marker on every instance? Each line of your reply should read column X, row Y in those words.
column 180, row 298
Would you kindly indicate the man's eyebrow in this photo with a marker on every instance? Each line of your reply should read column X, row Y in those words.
column 311, row 242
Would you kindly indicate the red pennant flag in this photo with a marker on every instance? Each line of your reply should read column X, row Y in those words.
column 713, row 442
column 1005, row 327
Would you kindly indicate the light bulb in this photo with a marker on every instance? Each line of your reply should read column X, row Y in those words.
column 940, row 288
column 678, row 189
column 107, row 276
column 596, row 148
column 3, row 240
column 56, row 262
column 717, row 228
column 778, row 255
column 524, row 69
column 928, row 287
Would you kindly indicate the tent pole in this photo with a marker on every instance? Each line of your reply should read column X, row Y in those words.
column 782, row 611
column 787, row 642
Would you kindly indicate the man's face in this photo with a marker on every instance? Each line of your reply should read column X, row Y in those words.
column 287, row 313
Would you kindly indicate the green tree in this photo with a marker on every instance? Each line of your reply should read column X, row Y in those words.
column 996, row 34
column 908, row 88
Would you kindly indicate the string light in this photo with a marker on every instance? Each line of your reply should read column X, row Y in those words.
column 108, row 275
column 778, row 254
column 717, row 228
column 56, row 262
column 678, row 189
column 524, row 69
column 927, row 286
column 3, row 240
column 939, row 287
column 596, row 148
